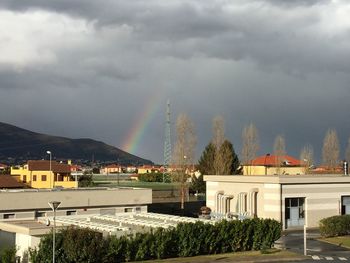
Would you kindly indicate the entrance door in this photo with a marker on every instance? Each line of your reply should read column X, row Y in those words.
column 294, row 212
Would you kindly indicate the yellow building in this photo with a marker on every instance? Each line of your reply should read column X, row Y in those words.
column 268, row 165
column 145, row 169
column 111, row 169
column 44, row 174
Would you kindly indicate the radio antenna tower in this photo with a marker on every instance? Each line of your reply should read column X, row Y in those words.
column 167, row 141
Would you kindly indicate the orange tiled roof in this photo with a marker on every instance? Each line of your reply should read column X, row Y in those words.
column 271, row 160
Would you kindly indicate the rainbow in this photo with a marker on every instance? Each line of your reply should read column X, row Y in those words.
column 134, row 135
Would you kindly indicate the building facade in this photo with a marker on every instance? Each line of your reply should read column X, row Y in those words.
column 111, row 169
column 273, row 165
column 23, row 211
column 294, row 200
column 44, row 174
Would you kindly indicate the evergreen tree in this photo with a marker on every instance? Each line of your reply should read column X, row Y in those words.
column 206, row 162
column 234, row 168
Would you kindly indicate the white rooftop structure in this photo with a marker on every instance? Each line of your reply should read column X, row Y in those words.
column 123, row 223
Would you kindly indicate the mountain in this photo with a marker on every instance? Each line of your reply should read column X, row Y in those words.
column 20, row 144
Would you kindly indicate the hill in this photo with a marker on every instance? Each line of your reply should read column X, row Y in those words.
column 20, row 144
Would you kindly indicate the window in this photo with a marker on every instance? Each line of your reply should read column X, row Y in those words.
column 71, row 213
column 34, row 177
column 138, row 209
column 9, row 216
column 43, row 177
column 40, row 214
column 345, row 205
column 24, row 179
column 128, row 209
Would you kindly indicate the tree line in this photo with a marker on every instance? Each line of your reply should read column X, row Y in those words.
column 220, row 158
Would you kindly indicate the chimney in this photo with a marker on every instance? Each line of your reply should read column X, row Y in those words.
column 346, row 169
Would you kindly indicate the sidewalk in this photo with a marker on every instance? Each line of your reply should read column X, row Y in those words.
column 293, row 241
column 243, row 257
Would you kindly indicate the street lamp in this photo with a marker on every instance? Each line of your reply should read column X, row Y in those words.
column 54, row 205
column 53, row 179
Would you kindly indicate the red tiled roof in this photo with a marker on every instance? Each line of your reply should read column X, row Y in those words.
column 3, row 165
column 44, row 165
column 75, row 167
column 7, row 181
column 271, row 160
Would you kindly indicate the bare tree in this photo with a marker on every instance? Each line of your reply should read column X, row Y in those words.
column 184, row 150
column 250, row 147
column 330, row 150
column 307, row 157
column 217, row 141
column 279, row 149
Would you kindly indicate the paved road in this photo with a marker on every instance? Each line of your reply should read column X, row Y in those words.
column 317, row 251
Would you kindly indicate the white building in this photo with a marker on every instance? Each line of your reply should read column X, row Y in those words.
column 294, row 200
column 23, row 212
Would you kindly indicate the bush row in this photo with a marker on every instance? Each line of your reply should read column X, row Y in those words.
column 151, row 177
column 8, row 254
column 187, row 239
column 335, row 226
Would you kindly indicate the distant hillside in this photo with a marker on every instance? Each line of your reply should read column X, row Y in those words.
column 22, row 144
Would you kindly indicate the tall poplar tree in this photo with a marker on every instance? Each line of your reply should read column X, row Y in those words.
column 279, row 150
column 330, row 150
column 250, row 145
column 183, row 156
column 307, row 157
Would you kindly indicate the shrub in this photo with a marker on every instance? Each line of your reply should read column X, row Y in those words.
column 151, row 177
column 185, row 240
column 8, row 254
column 335, row 226
column 116, row 249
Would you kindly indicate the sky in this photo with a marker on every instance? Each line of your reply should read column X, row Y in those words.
column 105, row 69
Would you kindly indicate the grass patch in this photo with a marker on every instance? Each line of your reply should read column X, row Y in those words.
column 273, row 255
column 342, row 241
column 154, row 186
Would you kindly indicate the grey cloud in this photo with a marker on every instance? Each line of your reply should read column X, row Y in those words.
column 273, row 35
column 273, row 63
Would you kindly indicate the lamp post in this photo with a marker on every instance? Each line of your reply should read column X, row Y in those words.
column 54, row 205
column 53, row 179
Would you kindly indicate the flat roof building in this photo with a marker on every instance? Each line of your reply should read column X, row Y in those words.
column 294, row 200
column 23, row 212
column 33, row 203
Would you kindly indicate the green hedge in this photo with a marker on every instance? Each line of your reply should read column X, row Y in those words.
column 8, row 254
column 185, row 240
column 335, row 226
column 151, row 177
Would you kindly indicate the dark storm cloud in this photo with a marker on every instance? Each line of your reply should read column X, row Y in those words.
column 275, row 33
column 281, row 64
